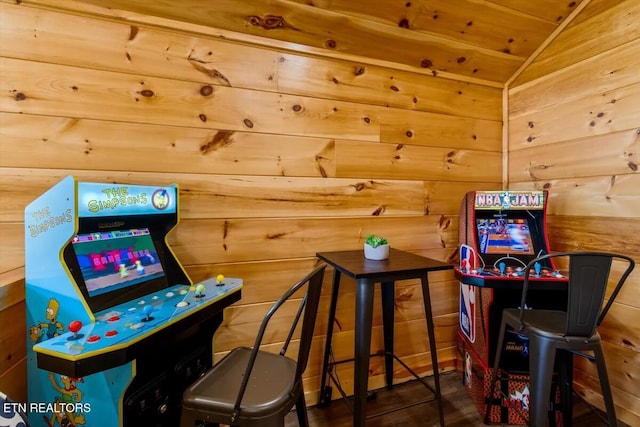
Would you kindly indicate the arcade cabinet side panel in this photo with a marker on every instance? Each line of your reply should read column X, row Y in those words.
column 466, row 227
column 51, row 299
column 545, row 235
column 474, row 318
column 474, row 301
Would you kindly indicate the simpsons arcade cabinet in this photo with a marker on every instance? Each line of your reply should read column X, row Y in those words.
column 116, row 329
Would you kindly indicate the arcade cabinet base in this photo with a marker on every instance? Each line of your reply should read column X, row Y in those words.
column 510, row 408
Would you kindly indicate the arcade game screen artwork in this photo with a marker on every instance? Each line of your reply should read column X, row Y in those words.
column 504, row 236
column 114, row 260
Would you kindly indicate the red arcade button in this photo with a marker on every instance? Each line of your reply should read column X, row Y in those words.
column 75, row 326
column 93, row 338
column 111, row 333
column 113, row 319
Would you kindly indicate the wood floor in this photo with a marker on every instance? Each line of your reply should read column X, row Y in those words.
column 458, row 409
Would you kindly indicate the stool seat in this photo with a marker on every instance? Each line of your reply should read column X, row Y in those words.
column 547, row 323
column 268, row 390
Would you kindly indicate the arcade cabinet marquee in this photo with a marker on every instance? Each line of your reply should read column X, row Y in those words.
column 105, row 295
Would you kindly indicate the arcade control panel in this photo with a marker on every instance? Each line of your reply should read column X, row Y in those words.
column 113, row 339
column 505, row 276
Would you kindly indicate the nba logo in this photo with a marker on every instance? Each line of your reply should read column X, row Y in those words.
column 468, row 311
column 467, row 258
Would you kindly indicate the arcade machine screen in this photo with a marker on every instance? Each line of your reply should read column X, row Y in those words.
column 505, row 236
column 512, row 238
column 115, row 266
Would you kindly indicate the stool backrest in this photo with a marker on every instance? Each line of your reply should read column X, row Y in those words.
column 308, row 305
column 588, row 279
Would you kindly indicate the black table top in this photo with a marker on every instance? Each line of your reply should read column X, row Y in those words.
column 400, row 263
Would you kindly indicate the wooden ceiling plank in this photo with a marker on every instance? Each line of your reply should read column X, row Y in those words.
column 550, row 10
column 593, row 32
column 548, row 41
column 82, row 8
column 306, row 26
column 479, row 23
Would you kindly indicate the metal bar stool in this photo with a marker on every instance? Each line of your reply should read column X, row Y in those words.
column 572, row 330
column 252, row 387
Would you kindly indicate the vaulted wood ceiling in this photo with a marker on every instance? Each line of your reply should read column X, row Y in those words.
column 480, row 39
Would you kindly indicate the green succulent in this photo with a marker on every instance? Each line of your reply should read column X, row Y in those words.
column 375, row 241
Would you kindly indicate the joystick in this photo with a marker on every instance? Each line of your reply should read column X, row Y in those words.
column 74, row 327
column 502, row 266
column 537, row 267
column 147, row 310
column 200, row 291
column 219, row 280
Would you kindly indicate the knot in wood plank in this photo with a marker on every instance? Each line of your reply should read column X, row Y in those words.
column 269, row 22
column 206, row 90
column 379, row 210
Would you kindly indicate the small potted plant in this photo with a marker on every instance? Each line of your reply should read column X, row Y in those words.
column 376, row 247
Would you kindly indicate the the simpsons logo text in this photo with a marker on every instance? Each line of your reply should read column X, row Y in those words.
column 117, row 196
column 44, row 220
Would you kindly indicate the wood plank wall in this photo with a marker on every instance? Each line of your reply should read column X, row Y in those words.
column 278, row 155
column 574, row 129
